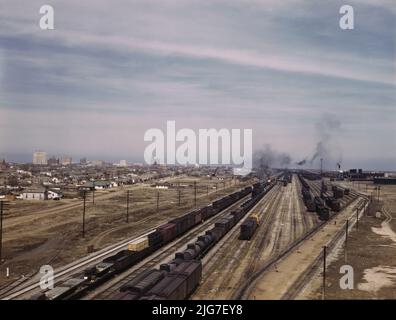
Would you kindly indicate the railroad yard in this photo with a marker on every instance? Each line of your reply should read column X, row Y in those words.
column 241, row 240
column 52, row 230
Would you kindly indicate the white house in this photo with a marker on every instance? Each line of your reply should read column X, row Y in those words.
column 41, row 194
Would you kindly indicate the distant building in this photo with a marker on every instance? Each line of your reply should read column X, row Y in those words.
column 97, row 162
column 83, row 161
column 3, row 165
column 97, row 185
column 123, row 163
column 66, row 160
column 41, row 194
column 382, row 180
column 40, row 157
column 53, row 161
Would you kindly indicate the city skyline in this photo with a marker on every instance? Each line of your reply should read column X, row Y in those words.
column 94, row 85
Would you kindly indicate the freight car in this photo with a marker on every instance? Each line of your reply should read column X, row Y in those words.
column 179, row 283
column 311, row 207
column 323, row 213
column 248, row 227
column 306, row 193
column 323, row 187
column 144, row 282
column 338, row 192
column 333, row 204
column 303, row 182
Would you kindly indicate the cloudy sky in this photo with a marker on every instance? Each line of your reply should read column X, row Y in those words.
column 113, row 69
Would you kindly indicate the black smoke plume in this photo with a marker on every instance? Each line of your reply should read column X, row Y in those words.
column 327, row 127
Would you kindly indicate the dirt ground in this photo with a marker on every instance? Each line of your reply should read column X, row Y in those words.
column 371, row 252
column 50, row 232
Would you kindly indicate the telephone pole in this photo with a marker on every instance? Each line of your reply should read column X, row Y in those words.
column 2, row 208
column 93, row 193
column 195, row 193
column 158, row 200
column 324, row 273
column 83, row 226
column 127, row 208
column 346, row 240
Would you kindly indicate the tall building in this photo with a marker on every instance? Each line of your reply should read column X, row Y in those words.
column 66, row 160
column 39, row 157
column 123, row 163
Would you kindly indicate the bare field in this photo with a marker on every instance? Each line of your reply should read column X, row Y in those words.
column 50, row 232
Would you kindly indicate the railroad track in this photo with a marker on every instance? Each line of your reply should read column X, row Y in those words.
column 32, row 285
column 232, row 252
column 266, row 222
column 313, row 269
column 243, row 292
column 26, row 287
column 157, row 258
column 229, row 251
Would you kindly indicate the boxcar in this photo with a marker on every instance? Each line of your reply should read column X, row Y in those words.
column 172, row 287
column 144, row 282
column 168, row 231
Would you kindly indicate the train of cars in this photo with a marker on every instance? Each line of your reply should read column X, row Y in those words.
column 326, row 201
column 176, row 278
column 323, row 204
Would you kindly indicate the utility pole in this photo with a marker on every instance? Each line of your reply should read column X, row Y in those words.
column 158, row 200
column 207, row 190
column 346, row 240
column 357, row 218
column 93, row 193
column 127, row 208
column 83, row 226
column 179, row 191
column 195, row 193
column 379, row 190
column 2, row 208
column 324, row 273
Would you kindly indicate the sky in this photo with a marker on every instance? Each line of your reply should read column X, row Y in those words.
column 111, row 70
